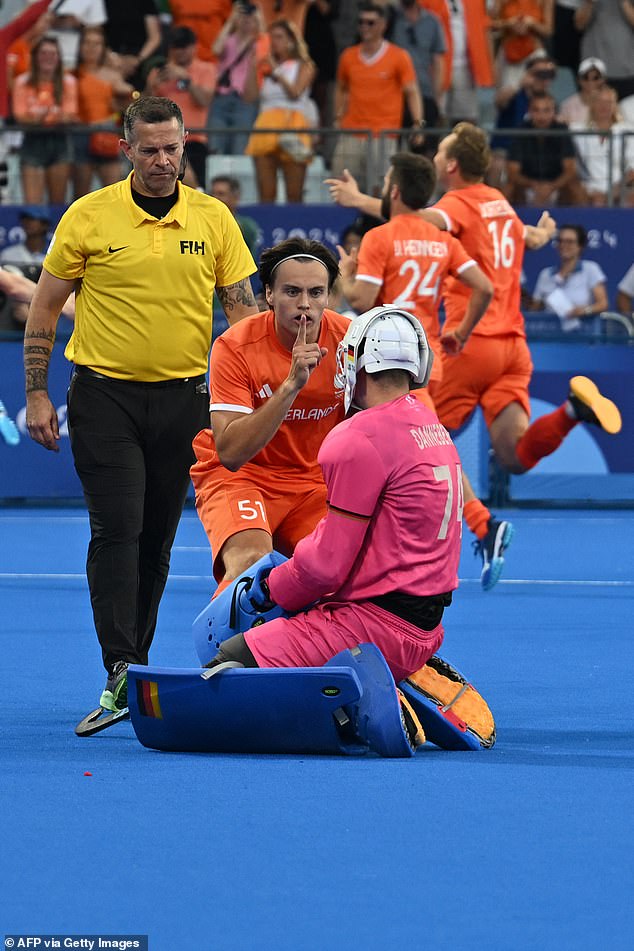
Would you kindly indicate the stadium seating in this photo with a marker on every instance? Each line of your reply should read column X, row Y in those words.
column 241, row 167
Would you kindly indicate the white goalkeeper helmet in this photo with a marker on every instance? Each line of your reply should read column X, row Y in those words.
column 384, row 338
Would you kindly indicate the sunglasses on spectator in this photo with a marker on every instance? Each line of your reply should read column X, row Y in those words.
column 367, row 21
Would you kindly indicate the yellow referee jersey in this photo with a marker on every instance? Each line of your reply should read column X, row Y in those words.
column 144, row 297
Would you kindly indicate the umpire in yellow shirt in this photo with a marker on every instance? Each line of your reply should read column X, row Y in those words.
column 144, row 256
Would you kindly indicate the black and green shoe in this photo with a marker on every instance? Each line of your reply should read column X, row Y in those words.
column 113, row 704
column 115, row 695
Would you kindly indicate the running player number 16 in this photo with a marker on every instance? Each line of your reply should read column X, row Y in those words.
column 503, row 243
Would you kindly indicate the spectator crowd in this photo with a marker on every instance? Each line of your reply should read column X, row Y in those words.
column 560, row 75
column 280, row 81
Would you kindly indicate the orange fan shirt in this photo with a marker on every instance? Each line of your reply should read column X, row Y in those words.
column 94, row 97
column 478, row 44
column 375, row 87
column 205, row 17
column 39, row 103
column 18, row 58
column 194, row 115
column 248, row 363
column 516, row 48
column 410, row 259
column 491, row 232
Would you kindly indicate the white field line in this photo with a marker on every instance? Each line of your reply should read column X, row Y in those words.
column 73, row 576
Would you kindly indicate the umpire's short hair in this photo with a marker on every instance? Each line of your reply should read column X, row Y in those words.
column 152, row 110
column 296, row 247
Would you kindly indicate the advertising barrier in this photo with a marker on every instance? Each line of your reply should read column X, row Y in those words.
column 588, row 466
column 609, row 232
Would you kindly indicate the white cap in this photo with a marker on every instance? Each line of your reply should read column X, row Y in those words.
column 592, row 62
column 535, row 57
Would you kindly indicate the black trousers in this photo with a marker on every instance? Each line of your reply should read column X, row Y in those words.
column 132, row 448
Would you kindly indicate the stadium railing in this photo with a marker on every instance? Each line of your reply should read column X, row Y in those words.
column 386, row 142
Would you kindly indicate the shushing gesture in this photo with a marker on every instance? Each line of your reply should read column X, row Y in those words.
column 305, row 357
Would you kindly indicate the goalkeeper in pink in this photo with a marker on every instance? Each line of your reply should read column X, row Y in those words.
column 381, row 565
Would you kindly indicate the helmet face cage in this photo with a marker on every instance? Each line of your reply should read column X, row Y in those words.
column 397, row 353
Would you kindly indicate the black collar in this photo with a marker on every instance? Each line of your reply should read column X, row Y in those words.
column 157, row 207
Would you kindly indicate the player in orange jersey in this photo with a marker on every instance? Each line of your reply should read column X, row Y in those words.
column 273, row 400
column 494, row 369
column 406, row 261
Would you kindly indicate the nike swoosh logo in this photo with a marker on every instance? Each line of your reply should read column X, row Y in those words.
column 112, row 250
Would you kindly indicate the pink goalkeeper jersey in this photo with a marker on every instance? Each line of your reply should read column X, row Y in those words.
column 394, row 520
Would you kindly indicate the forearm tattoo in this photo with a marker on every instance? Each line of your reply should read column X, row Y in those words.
column 236, row 294
column 38, row 345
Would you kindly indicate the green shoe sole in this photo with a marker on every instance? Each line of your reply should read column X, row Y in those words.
column 117, row 701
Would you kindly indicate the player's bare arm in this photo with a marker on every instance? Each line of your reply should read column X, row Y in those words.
column 239, row 436
column 536, row 236
column 238, row 300
column 361, row 295
column 20, row 290
column 345, row 191
column 48, row 300
column 453, row 341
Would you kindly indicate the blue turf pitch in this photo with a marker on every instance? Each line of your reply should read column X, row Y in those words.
column 527, row 846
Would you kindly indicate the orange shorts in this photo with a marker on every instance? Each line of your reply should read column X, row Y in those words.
column 287, row 511
column 491, row 372
column 270, row 143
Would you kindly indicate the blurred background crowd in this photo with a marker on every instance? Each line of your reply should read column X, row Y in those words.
column 285, row 82
column 279, row 94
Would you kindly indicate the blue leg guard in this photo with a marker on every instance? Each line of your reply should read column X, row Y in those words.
column 376, row 717
column 350, row 706
column 240, row 710
column 234, row 611
column 452, row 713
